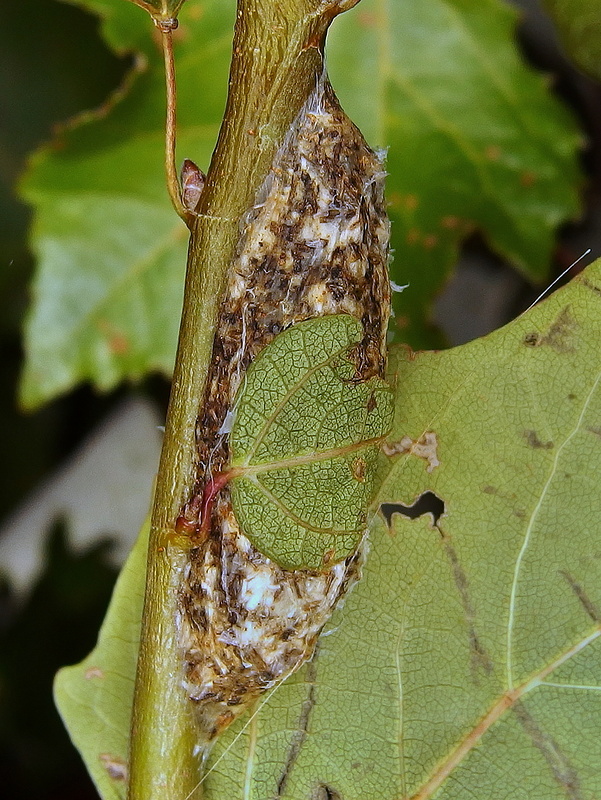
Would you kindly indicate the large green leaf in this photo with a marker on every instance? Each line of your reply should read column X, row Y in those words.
column 302, row 425
column 579, row 25
column 466, row 661
column 95, row 697
column 475, row 141
column 108, row 293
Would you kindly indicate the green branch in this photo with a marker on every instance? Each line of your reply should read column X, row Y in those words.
column 277, row 57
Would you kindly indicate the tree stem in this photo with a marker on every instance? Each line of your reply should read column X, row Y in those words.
column 277, row 58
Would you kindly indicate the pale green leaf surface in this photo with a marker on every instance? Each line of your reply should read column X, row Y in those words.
column 414, row 670
column 95, row 697
column 302, row 426
column 579, row 26
column 475, row 141
column 448, row 618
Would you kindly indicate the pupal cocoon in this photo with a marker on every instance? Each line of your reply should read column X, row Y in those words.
column 313, row 243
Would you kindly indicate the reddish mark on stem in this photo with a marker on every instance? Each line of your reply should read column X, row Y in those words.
column 202, row 508
column 210, row 492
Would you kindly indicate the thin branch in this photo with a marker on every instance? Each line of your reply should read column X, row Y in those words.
column 268, row 86
column 166, row 27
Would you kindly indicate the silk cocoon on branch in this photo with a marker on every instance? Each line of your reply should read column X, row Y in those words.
column 314, row 244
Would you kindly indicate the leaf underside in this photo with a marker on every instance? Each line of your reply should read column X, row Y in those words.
column 308, row 439
column 475, row 142
column 407, row 696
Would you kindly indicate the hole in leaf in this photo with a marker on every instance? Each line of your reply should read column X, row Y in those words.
column 426, row 503
column 325, row 792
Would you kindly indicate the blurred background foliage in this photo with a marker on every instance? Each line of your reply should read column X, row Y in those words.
column 55, row 65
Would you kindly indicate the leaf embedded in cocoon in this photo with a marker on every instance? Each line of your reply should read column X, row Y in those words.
column 305, row 444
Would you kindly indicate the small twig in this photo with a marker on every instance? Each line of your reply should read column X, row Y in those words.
column 166, row 27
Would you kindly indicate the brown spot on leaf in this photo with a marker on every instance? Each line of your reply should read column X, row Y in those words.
column 534, row 442
column 367, row 19
column 590, row 285
column 480, row 659
column 93, row 672
column 359, row 468
column 115, row 766
column 527, row 179
column 425, row 447
column 559, row 764
column 118, row 344
column 430, row 241
column 532, row 339
column 587, row 603
column 450, row 222
column 117, row 341
column 594, row 430
column 559, row 335
column 413, row 236
column 497, row 492
column 493, row 152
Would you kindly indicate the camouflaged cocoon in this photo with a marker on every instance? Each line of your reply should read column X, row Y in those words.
column 314, row 243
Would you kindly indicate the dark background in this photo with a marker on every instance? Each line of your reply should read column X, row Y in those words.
column 52, row 66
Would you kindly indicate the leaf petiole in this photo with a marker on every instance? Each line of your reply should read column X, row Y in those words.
column 166, row 28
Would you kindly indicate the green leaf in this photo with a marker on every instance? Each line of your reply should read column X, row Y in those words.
column 95, row 697
column 112, row 254
column 579, row 25
column 475, row 141
column 302, row 427
column 467, row 659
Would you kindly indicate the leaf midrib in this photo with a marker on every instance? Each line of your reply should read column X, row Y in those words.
column 284, row 400
column 496, row 711
column 307, row 458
